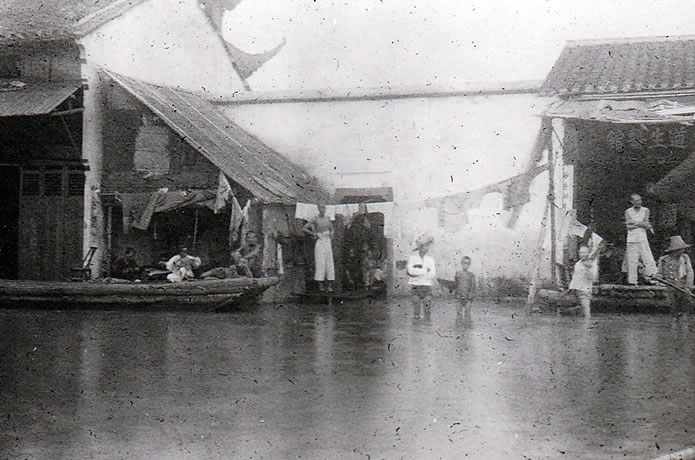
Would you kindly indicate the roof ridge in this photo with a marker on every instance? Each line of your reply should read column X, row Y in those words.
column 94, row 20
column 627, row 40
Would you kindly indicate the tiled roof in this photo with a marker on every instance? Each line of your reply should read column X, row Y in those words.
column 246, row 160
column 44, row 20
column 623, row 66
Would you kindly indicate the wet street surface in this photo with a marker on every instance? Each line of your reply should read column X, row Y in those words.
column 359, row 380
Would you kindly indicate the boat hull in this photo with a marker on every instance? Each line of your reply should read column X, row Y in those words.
column 201, row 295
column 612, row 298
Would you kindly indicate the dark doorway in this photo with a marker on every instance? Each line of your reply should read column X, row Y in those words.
column 9, row 219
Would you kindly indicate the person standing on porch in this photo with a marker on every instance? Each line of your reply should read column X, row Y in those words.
column 675, row 267
column 321, row 228
column 638, row 250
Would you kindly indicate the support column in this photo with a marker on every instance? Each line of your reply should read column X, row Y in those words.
column 92, row 151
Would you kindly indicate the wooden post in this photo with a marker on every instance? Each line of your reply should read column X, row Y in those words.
column 551, row 203
column 195, row 232
column 109, row 235
column 533, row 282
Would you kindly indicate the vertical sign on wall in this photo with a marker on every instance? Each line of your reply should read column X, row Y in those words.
column 568, row 186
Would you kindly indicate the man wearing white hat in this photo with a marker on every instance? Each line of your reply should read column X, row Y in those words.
column 421, row 273
column 675, row 267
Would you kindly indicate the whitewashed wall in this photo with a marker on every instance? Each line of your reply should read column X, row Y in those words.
column 423, row 148
column 164, row 42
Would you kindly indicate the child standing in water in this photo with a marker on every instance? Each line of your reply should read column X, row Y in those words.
column 583, row 278
column 421, row 275
column 321, row 228
column 465, row 285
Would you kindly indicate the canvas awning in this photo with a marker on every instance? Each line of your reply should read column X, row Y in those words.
column 34, row 98
column 246, row 160
column 623, row 111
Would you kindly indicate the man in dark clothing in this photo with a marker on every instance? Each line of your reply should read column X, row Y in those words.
column 126, row 266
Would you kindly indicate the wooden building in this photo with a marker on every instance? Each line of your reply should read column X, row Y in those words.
column 622, row 123
column 164, row 143
column 41, row 100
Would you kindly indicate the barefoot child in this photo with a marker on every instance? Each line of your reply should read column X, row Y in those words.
column 583, row 278
column 465, row 285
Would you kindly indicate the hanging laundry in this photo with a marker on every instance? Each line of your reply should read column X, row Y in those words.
column 453, row 210
column 235, row 221
column 134, row 206
column 594, row 243
column 143, row 221
column 306, row 211
column 280, row 263
column 224, row 191
column 245, row 224
column 330, row 212
column 347, row 211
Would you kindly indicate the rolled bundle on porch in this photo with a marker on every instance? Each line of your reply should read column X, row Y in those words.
column 556, row 298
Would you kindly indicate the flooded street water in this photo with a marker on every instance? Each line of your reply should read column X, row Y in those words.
column 358, row 380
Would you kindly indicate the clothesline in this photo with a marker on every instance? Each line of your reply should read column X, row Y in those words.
column 451, row 209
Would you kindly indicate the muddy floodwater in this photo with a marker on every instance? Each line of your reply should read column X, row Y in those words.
column 358, row 380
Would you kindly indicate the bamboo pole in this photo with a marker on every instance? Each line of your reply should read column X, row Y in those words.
column 195, row 232
column 109, row 239
column 551, row 202
column 533, row 283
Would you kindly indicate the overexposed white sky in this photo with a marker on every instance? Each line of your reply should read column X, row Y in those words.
column 411, row 43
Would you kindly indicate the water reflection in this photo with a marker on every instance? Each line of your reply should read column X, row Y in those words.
column 344, row 380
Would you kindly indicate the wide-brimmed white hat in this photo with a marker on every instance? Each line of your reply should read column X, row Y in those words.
column 423, row 240
column 677, row 243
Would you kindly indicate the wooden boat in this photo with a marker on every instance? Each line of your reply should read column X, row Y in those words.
column 197, row 295
column 611, row 297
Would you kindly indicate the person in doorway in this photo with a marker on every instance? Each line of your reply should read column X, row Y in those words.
column 181, row 266
column 465, row 285
column 638, row 250
column 676, row 268
column 421, row 273
column 584, row 276
column 126, row 266
column 321, row 228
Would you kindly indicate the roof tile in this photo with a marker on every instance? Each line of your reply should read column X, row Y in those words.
column 623, row 67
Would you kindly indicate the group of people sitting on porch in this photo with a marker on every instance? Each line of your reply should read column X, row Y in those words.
column 673, row 269
column 243, row 262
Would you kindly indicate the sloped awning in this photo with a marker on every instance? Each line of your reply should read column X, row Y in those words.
column 262, row 171
column 34, row 98
column 623, row 111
